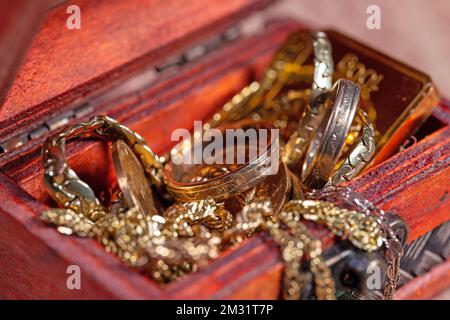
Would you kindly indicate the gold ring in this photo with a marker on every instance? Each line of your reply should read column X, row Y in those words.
column 64, row 185
column 262, row 175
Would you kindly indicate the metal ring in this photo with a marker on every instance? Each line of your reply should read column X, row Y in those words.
column 326, row 145
column 262, row 171
column 64, row 185
column 312, row 115
column 359, row 156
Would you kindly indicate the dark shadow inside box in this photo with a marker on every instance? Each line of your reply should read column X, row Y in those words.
column 432, row 124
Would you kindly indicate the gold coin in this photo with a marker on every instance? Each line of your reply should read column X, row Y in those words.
column 132, row 180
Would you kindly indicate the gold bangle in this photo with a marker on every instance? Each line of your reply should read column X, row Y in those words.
column 234, row 185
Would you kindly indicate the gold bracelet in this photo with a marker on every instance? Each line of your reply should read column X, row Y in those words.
column 296, row 243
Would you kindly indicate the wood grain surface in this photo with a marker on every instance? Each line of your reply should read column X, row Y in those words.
column 115, row 39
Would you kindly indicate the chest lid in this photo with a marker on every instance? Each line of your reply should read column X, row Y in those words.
column 47, row 66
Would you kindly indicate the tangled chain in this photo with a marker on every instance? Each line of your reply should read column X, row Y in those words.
column 393, row 249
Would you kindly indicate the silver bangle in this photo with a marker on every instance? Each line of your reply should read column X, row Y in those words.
column 326, row 145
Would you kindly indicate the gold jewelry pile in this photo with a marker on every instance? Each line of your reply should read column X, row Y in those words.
column 165, row 239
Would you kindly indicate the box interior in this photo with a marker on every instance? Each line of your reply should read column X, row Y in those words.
column 184, row 93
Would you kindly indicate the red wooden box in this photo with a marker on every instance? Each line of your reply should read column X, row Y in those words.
column 156, row 66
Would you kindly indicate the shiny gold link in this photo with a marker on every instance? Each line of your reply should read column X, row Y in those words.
column 363, row 231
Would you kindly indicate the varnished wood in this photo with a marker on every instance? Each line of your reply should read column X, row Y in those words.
column 414, row 183
column 19, row 21
column 116, row 38
column 428, row 285
column 37, row 258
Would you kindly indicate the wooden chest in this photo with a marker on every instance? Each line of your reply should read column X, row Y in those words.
column 156, row 66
